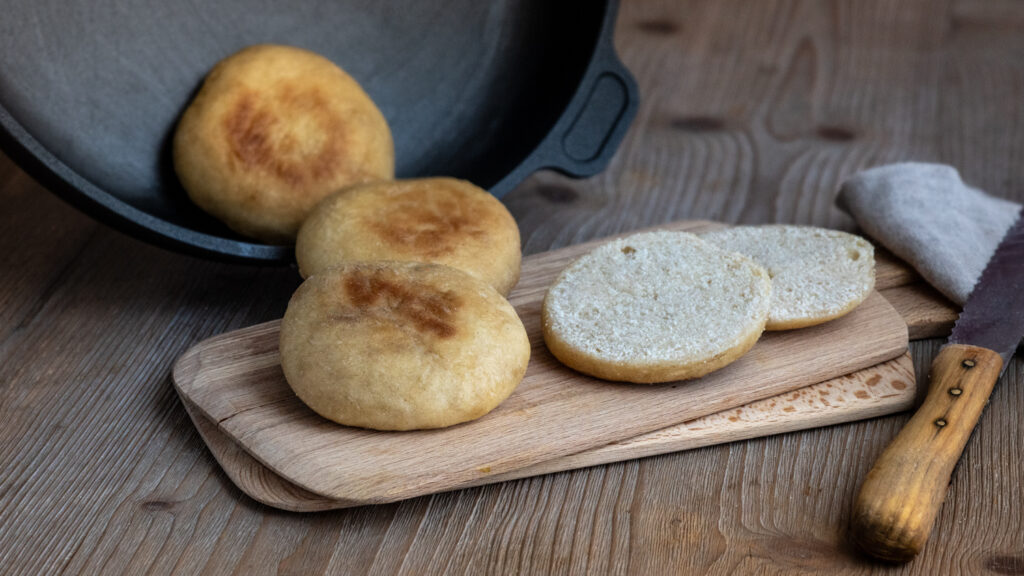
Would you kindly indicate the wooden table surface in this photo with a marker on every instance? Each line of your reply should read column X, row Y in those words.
column 752, row 112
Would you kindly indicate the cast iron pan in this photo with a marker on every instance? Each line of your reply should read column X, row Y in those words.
column 490, row 91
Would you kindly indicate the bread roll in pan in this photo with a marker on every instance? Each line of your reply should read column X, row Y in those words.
column 486, row 91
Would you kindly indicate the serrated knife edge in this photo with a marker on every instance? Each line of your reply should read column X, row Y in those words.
column 993, row 316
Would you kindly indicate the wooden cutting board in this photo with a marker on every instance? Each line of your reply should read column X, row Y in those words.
column 235, row 380
column 879, row 390
column 883, row 389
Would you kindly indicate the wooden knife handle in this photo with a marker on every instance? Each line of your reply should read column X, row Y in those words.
column 901, row 495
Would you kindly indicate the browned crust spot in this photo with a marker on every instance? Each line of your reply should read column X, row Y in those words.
column 432, row 228
column 259, row 131
column 428, row 309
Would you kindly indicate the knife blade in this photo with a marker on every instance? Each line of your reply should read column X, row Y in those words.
column 993, row 316
column 901, row 496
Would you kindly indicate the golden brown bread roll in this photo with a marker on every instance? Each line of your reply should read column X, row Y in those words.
column 440, row 220
column 272, row 131
column 401, row 345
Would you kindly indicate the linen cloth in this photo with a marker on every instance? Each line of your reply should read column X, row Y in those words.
column 927, row 215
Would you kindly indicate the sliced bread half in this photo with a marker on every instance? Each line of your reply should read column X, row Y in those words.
column 655, row 307
column 817, row 274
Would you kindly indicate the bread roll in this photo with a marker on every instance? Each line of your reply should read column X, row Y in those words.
column 401, row 345
column 441, row 220
column 272, row 131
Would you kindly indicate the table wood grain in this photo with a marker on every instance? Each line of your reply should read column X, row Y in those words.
column 752, row 112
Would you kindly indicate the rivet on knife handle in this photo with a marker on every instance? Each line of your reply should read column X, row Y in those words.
column 902, row 494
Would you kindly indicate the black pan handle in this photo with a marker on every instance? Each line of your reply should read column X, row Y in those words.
column 585, row 138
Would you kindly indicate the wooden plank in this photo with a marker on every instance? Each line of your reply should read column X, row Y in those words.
column 927, row 313
column 891, row 272
column 42, row 236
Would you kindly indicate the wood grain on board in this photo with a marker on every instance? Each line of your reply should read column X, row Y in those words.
column 235, row 380
column 875, row 391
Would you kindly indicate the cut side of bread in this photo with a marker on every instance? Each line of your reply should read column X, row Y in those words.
column 817, row 274
column 655, row 307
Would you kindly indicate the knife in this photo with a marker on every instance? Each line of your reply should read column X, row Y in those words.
column 901, row 495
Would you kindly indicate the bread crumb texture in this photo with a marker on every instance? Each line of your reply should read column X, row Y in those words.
column 654, row 307
column 817, row 274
